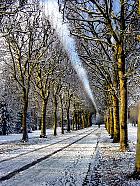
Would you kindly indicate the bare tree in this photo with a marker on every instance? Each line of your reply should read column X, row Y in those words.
column 26, row 44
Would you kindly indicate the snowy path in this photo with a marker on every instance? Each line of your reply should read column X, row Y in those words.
column 11, row 145
column 13, row 150
column 64, row 160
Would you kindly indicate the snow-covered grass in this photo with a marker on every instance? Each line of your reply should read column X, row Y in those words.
column 18, row 137
column 132, row 135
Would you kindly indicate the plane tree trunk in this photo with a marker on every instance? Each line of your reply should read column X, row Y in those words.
column 115, row 102
column 137, row 161
column 111, row 123
column 43, row 119
column 62, row 114
column 83, row 120
column 55, row 114
column 123, row 99
column 116, row 119
column 68, row 119
column 122, row 81
column 24, row 116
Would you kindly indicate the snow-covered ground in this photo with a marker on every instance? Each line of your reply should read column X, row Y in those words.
column 15, row 137
column 64, row 155
column 132, row 133
column 113, row 167
column 77, row 158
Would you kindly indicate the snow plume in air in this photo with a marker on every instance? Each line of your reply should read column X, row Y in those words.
column 56, row 20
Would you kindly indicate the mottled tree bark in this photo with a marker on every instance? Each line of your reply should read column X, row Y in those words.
column 83, row 120
column 55, row 115
column 138, row 7
column 108, row 124
column 80, row 119
column 24, row 115
column 86, row 119
column 123, row 100
column 122, row 81
column 68, row 115
column 90, row 118
column 115, row 102
column 62, row 124
column 43, row 119
column 68, row 119
column 116, row 119
column 88, row 115
column 137, row 163
column 111, row 123
column 74, row 120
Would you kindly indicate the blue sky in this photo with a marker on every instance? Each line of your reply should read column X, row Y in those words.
column 116, row 6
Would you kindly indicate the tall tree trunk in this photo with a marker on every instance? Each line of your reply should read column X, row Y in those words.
column 105, row 121
column 137, row 163
column 116, row 119
column 43, row 119
column 68, row 119
column 4, row 127
column 86, row 120
column 24, row 116
column 138, row 7
column 76, row 120
column 88, row 123
column 115, row 102
column 123, row 100
column 83, row 120
column 62, row 123
column 90, row 118
column 55, row 115
column 111, row 123
column 79, row 120
column 122, row 81
column 108, row 122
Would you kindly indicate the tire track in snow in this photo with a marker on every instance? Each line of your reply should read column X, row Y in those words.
column 24, row 153
column 27, row 166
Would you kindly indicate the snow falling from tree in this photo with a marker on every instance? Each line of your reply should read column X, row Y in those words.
column 56, row 19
